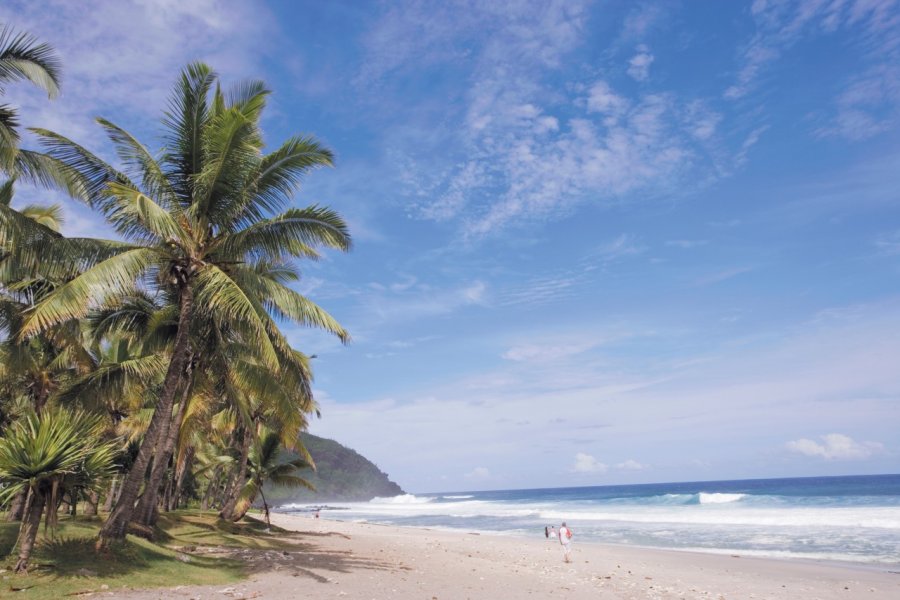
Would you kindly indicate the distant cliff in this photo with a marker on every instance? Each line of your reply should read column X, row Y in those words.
column 342, row 474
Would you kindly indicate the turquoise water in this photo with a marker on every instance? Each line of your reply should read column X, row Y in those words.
column 831, row 518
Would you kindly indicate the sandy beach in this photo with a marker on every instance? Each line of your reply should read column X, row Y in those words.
column 335, row 559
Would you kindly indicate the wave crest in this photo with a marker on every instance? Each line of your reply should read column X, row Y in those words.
column 403, row 499
column 718, row 498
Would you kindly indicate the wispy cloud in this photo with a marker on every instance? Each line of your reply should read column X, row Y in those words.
column 869, row 103
column 110, row 70
column 723, row 275
column 516, row 146
column 546, row 352
column 686, row 244
column 888, row 244
column 631, row 465
column 820, row 376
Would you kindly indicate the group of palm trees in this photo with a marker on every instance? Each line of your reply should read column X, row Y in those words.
column 145, row 371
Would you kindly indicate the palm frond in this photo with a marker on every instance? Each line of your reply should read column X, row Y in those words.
column 48, row 172
column 184, row 120
column 294, row 233
column 94, row 287
column 141, row 163
column 22, row 57
column 276, row 178
column 89, row 172
column 224, row 300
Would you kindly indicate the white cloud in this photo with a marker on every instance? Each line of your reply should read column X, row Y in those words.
column 585, row 463
column 639, row 65
column 601, row 99
column 835, row 446
column 515, row 148
column 631, row 465
column 114, row 70
column 479, row 474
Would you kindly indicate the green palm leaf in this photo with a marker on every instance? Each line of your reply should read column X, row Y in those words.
column 95, row 287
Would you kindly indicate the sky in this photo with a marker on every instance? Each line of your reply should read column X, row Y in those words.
column 594, row 242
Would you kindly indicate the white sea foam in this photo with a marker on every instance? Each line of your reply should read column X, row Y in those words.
column 719, row 512
column 718, row 498
column 403, row 499
column 457, row 497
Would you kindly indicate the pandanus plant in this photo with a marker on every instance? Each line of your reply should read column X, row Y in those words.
column 45, row 455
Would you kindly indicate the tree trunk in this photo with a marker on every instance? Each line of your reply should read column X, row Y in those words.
column 211, row 488
column 17, row 507
column 29, row 530
column 111, row 496
column 265, row 507
column 146, row 507
column 180, row 472
column 117, row 523
column 90, row 504
column 227, row 511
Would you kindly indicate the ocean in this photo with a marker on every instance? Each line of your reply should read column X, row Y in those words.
column 852, row 519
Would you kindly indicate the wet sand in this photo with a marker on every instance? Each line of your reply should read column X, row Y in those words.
column 334, row 559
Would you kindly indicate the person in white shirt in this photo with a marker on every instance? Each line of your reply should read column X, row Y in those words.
column 553, row 534
column 565, row 540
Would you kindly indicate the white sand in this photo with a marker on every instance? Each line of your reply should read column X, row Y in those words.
column 336, row 559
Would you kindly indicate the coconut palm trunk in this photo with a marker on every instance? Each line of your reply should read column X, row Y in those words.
column 231, row 501
column 91, row 503
column 209, row 495
column 116, row 525
column 17, row 507
column 111, row 495
column 180, row 473
column 146, row 512
column 30, row 526
column 265, row 507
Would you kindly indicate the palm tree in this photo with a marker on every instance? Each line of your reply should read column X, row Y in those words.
column 265, row 467
column 46, row 454
column 23, row 58
column 199, row 222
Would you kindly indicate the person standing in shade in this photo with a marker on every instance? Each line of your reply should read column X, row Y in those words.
column 565, row 540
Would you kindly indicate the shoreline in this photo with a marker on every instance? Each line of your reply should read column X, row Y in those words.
column 332, row 558
column 879, row 567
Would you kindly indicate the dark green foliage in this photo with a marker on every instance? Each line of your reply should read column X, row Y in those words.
column 342, row 474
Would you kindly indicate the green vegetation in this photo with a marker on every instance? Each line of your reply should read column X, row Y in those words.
column 342, row 474
column 149, row 372
column 68, row 563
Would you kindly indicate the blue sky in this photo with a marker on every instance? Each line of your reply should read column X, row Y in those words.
column 596, row 242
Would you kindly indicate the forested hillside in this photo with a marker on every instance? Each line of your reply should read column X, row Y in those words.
column 343, row 474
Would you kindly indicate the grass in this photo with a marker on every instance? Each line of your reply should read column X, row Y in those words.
column 67, row 564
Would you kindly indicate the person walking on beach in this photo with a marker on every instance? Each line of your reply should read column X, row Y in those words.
column 565, row 540
column 553, row 535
